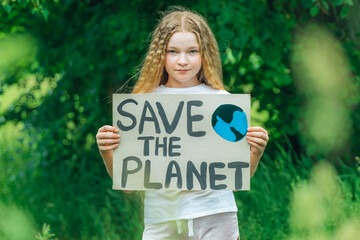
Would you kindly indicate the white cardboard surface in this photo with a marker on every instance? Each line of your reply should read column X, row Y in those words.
column 138, row 166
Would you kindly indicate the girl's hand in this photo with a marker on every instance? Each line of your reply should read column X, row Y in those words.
column 257, row 138
column 107, row 138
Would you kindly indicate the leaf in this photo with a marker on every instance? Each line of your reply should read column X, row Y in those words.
column 7, row 8
column 344, row 12
column 325, row 4
column 241, row 40
column 229, row 56
column 337, row 2
column 308, row 3
column 45, row 14
column 349, row 2
column 314, row 11
column 256, row 42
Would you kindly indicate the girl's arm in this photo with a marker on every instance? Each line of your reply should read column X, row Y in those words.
column 107, row 139
column 257, row 138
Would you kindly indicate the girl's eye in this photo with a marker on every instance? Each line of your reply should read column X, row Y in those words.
column 193, row 51
column 172, row 51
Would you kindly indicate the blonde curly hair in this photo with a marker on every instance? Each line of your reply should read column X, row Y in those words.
column 153, row 73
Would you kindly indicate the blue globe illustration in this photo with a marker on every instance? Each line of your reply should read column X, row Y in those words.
column 229, row 122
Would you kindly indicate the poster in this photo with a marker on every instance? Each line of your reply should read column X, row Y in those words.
column 181, row 141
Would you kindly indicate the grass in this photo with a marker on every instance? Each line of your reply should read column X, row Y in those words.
column 76, row 205
column 264, row 211
column 297, row 201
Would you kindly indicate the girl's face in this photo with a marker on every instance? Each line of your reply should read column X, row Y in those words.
column 183, row 60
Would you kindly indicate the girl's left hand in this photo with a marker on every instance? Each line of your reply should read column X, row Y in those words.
column 257, row 138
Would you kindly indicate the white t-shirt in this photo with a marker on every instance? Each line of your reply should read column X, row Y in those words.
column 168, row 205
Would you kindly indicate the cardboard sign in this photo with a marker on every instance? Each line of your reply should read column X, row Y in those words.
column 181, row 141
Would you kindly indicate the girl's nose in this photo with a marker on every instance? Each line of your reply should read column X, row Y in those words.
column 182, row 59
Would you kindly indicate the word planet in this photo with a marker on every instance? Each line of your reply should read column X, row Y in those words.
column 229, row 122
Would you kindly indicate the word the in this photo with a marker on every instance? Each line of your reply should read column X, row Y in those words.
column 167, row 148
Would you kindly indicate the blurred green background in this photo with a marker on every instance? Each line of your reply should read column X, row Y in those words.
column 60, row 61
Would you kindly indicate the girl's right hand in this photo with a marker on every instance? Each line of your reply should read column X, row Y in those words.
column 107, row 138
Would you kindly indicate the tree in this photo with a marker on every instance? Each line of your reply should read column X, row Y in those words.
column 75, row 54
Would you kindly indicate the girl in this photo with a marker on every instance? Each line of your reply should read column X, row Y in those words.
column 183, row 58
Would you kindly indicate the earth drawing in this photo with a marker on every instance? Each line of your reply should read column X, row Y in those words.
column 229, row 122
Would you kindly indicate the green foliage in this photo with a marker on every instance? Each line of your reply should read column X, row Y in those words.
column 45, row 233
column 79, row 204
column 15, row 224
column 301, row 201
column 322, row 208
column 60, row 61
column 266, row 205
